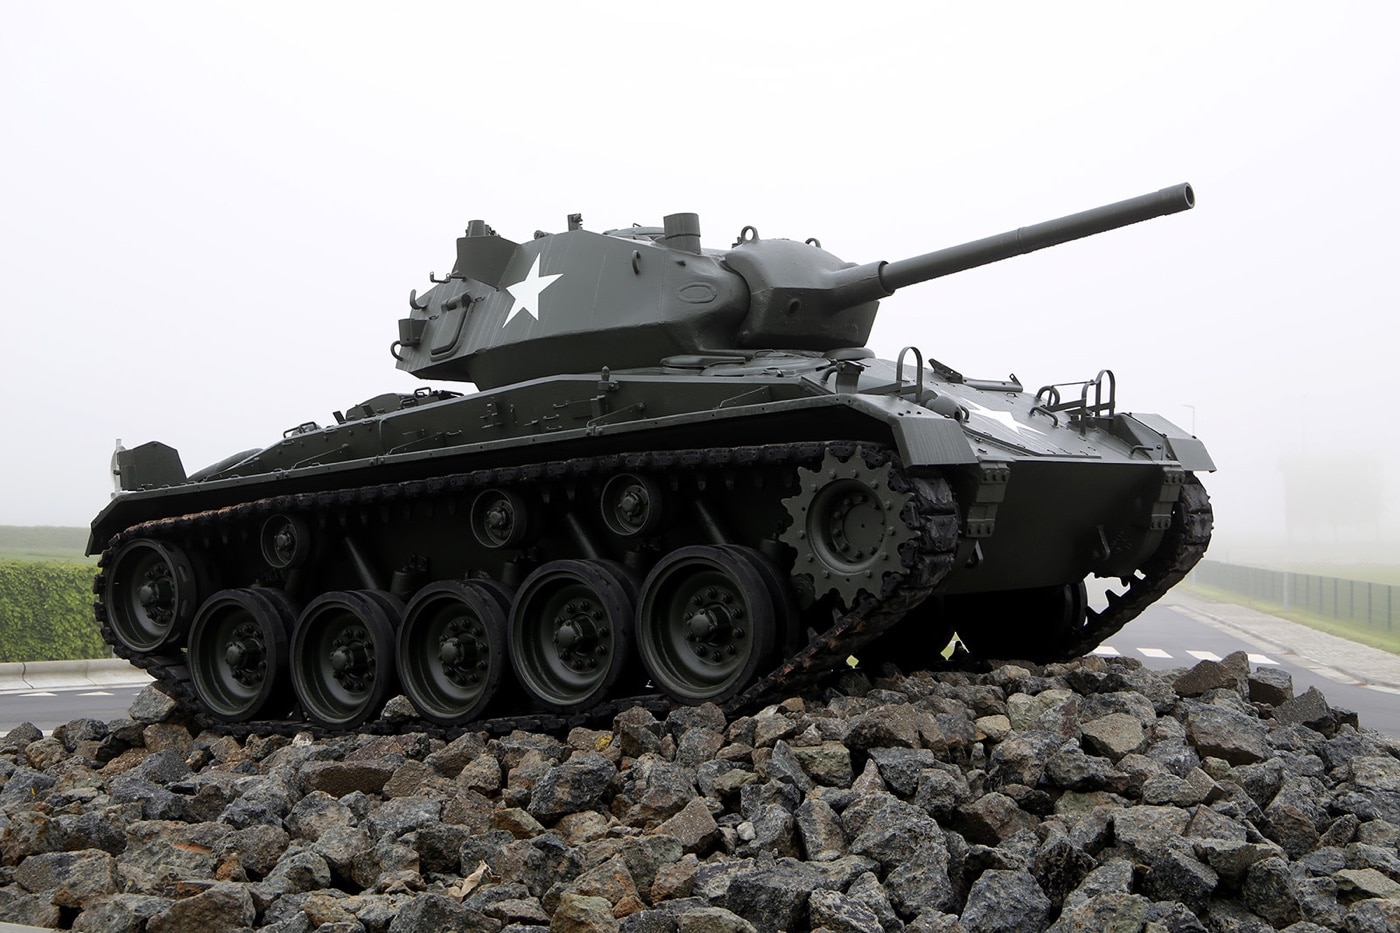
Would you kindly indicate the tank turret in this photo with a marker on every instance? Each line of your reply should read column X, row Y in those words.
column 579, row 301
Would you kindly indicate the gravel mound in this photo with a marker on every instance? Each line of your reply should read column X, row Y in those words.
column 1095, row 795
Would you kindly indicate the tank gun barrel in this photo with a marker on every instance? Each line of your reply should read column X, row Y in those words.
column 895, row 275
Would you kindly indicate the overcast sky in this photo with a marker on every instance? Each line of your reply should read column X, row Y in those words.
column 211, row 214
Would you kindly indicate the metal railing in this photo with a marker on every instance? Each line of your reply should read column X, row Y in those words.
column 1373, row 605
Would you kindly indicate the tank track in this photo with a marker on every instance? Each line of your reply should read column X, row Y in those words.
column 1183, row 545
column 926, row 560
column 930, row 513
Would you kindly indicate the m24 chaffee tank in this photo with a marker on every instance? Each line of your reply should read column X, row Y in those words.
column 683, row 477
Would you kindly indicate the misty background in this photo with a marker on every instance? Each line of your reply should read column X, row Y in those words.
column 211, row 214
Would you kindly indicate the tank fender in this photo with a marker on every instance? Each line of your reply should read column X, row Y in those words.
column 922, row 437
column 1150, row 430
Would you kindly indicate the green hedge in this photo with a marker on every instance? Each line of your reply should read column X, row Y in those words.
column 46, row 612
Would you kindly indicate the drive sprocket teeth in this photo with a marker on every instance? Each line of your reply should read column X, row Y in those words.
column 846, row 526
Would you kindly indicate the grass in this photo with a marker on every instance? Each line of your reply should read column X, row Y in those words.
column 54, row 554
column 44, row 542
column 1342, row 628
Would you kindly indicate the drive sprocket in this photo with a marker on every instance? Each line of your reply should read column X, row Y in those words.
column 846, row 525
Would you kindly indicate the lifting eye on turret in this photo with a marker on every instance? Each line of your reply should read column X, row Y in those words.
column 747, row 235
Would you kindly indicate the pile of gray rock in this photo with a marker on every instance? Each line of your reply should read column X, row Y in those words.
column 1095, row 795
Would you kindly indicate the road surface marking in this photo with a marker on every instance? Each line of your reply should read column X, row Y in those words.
column 39, row 693
column 1153, row 653
column 96, row 693
column 1106, row 651
column 1261, row 659
column 1204, row 655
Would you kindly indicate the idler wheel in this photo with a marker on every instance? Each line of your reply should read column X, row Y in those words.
column 151, row 595
column 705, row 624
column 571, row 633
column 343, row 657
column 238, row 654
column 452, row 650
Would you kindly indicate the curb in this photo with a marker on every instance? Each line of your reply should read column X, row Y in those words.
column 48, row 675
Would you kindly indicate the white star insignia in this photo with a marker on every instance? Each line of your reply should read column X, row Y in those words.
column 527, row 291
column 1003, row 418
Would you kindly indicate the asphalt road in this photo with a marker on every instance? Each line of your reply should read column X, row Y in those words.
column 1166, row 630
column 1164, row 637
column 52, row 707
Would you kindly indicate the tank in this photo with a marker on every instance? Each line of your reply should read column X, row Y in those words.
column 683, row 478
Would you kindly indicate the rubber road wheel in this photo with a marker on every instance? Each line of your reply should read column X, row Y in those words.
column 452, row 651
column 238, row 655
column 343, row 658
column 571, row 634
column 150, row 595
column 705, row 625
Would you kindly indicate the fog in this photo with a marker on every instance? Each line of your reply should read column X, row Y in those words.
column 211, row 214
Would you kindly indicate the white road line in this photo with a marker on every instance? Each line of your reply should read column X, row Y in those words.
column 96, row 693
column 1106, row 651
column 1204, row 655
column 1261, row 659
column 1153, row 653
column 39, row 693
